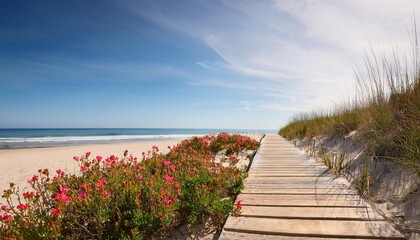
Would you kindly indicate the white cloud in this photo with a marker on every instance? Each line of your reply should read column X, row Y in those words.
column 297, row 55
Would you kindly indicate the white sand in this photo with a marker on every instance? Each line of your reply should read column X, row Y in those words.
column 19, row 165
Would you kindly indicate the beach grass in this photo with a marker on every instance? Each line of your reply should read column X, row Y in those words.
column 385, row 112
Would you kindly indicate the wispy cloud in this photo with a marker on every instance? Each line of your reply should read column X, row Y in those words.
column 29, row 72
column 296, row 55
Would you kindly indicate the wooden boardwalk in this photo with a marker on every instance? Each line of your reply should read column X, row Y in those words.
column 289, row 196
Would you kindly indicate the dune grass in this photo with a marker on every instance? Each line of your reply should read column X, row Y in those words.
column 385, row 111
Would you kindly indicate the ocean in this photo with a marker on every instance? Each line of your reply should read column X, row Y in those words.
column 53, row 137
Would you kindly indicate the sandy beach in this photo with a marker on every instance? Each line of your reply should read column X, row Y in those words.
column 18, row 165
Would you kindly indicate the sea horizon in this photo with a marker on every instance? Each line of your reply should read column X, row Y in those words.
column 12, row 138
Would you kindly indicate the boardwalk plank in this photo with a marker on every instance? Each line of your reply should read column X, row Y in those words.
column 313, row 228
column 342, row 213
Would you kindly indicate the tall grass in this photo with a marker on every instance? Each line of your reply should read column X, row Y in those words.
column 385, row 111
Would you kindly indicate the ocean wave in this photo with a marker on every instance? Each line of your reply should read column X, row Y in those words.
column 50, row 139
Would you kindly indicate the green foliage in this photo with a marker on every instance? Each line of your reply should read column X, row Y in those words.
column 128, row 198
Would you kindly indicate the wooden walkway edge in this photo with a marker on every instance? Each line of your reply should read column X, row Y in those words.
column 290, row 196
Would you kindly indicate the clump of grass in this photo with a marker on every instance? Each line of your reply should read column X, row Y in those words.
column 385, row 112
column 335, row 162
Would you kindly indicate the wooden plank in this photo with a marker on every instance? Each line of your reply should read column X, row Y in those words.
column 245, row 236
column 336, row 213
column 337, row 191
column 313, row 228
column 295, row 186
column 301, row 200
column 294, row 175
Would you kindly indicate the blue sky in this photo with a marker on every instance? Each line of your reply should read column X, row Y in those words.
column 190, row 64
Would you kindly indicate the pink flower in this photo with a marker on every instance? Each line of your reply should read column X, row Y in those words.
column 75, row 158
column 82, row 196
column 155, row 148
column 55, row 211
column 22, row 206
column 101, row 182
column 173, row 167
column 139, row 176
column 59, row 172
column 239, row 205
column 169, row 179
column 6, row 218
column 33, row 179
column 99, row 158
column 62, row 196
column 107, row 193
column 5, row 208
column 166, row 162
column 28, row 194
column 168, row 200
column 87, row 154
column 64, row 189
column 83, row 168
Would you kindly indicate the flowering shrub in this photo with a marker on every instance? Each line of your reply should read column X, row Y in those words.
column 127, row 197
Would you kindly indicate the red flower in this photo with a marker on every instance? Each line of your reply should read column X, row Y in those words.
column 59, row 172
column 5, row 208
column 6, row 218
column 22, row 206
column 33, row 179
column 62, row 197
column 168, row 200
column 160, row 216
column 64, row 189
column 101, row 182
column 55, row 211
column 82, row 196
column 139, row 176
column 87, row 154
column 239, row 205
column 169, row 179
column 99, row 158
column 107, row 193
column 177, row 186
column 75, row 158
column 83, row 168
column 28, row 194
